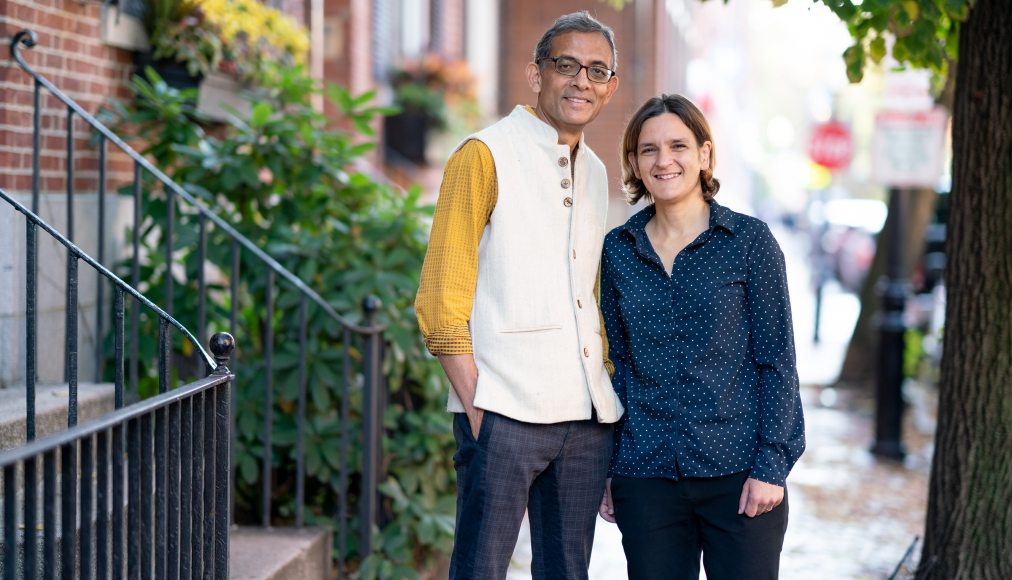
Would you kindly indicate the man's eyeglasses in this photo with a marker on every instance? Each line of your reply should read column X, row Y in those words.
column 570, row 67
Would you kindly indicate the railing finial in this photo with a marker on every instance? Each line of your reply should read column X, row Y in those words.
column 26, row 38
column 371, row 305
column 222, row 345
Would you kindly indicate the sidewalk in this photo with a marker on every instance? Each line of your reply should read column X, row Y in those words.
column 852, row 516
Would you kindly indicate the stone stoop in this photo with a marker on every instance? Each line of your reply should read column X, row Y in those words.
column 279, row 554
column 93, row 401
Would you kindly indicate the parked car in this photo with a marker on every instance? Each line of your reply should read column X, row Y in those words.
column 845, row 232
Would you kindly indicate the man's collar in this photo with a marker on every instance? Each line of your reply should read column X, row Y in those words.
column 547, row 129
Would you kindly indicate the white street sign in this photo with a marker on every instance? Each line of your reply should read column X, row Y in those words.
column 908, row 147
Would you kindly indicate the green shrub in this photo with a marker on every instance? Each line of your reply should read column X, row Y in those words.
column 287, row 180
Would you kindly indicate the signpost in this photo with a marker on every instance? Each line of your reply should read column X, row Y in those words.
column 906, row 152
column 832, row 147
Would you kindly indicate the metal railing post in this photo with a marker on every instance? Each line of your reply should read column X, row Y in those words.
column 372, row 427
column 222, row 347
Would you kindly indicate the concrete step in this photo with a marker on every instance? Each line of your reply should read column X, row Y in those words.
column 279, row 554
column 93, row 401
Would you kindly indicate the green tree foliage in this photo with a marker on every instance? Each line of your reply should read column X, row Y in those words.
column 922, row 33
column 288, row 182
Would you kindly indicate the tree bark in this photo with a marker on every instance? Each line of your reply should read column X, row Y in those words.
column 969, row 519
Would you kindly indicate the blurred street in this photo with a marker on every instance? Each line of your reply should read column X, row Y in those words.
column 852, row 516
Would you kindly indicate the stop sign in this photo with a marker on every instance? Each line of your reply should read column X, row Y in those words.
column 831, row 145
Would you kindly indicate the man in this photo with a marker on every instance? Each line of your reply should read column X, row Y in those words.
column 508, row 303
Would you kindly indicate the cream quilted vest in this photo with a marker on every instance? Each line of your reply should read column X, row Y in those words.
column 534, row 323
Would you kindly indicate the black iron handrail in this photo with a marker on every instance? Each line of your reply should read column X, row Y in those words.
column 157, row 429
column 29, row 39
column 370, row 331
column 178, row 528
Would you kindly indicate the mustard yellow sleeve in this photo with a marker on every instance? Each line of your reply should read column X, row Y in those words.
column 608, row 365
column 467, row 197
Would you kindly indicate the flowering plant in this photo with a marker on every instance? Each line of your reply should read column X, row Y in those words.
column 240, row 37
column 430, row 84
column 256, row 37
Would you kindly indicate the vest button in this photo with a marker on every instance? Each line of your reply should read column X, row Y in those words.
column 566, row 183
column 563, row 161
column 568, row 202
column 586, row 352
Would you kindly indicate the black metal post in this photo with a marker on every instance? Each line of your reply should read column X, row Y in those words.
column 889, row 384
column 233, row 326
column 71, row 309
column 49, row 509
column 71, row 342
column 31, row 558
column 170, row 220
column 300, row 418
column 36, row 144
column 201, row 281
column 268, row 399
column 86, row 507
column 32, row 327
column 821, row 265
column 68, row 510
column 102, row 505
column 222, row 346
column 342, row 492
column 135, row 280
column 119, row 333
column 173, row 490
column 372, row 424
column 10, row 517
column 99, row 280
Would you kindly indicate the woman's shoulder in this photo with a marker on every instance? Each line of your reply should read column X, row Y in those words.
column 749, row 227
column 624, row 235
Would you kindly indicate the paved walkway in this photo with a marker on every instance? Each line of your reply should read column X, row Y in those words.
column 851, row 515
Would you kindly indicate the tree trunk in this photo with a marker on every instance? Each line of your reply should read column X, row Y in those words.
column 969, row 520
column 859, row 364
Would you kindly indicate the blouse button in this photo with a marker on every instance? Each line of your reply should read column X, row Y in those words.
column 563, row 161
column 568, row 202
column 579, row 304
column 566, row 183
column 586, row 352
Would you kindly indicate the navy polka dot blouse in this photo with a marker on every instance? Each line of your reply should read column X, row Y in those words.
column 704, row 358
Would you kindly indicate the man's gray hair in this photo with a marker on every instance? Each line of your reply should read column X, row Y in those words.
column 575, row 22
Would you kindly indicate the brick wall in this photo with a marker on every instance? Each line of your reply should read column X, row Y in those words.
column 451, row 29
column 71, row 55
column 346, row 46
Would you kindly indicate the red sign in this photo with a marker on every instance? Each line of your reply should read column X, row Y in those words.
column 831, row 145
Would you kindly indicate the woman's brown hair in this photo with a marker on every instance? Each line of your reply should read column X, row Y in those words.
column 693, row 118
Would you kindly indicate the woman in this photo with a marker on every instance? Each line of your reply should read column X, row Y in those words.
column 695, row 304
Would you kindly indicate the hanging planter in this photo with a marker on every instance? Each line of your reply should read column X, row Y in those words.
column 406, row 136
column 240, row 38
column 174, row 73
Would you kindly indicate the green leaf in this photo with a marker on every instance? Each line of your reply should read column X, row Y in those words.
column 261, row 114
column 854, row 59
column 877, row 49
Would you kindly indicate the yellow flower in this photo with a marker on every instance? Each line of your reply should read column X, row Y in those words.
column 258, row 25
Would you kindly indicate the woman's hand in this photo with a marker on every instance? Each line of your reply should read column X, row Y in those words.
column 759, row 497
column 607, row 509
